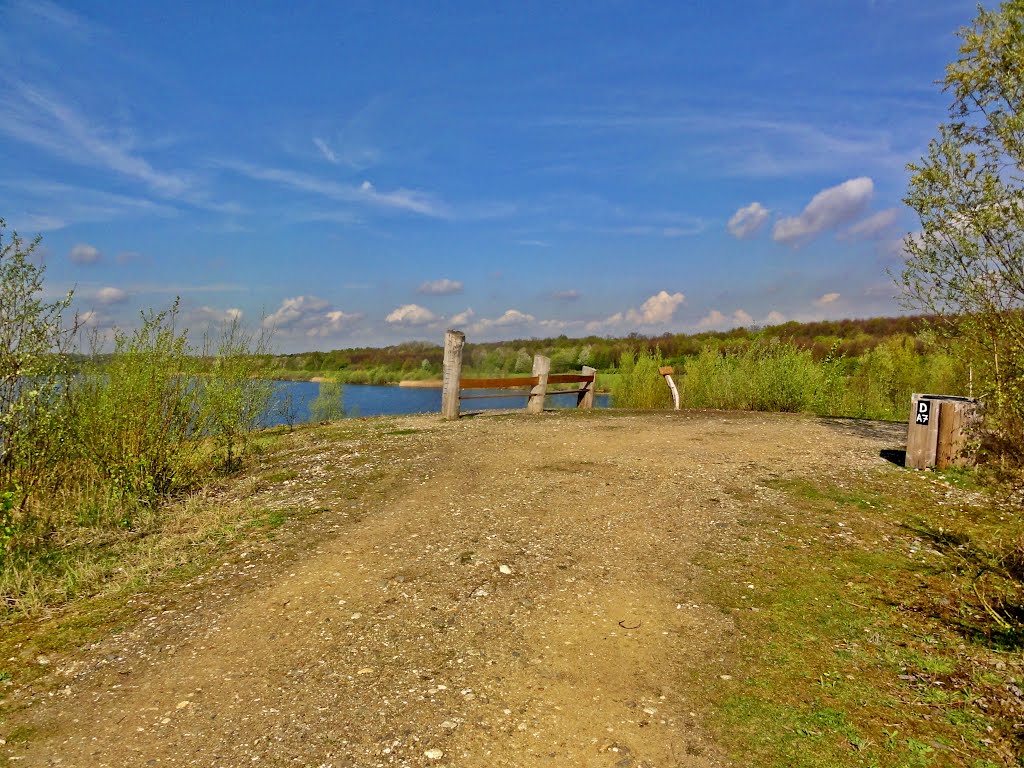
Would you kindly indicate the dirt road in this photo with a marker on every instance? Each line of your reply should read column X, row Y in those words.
column 522, row 592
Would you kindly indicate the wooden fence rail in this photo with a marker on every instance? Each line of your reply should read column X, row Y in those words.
column 454, row 385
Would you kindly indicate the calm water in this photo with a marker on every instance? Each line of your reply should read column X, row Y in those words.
column 370, row 400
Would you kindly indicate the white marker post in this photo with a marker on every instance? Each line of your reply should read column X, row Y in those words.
column 667, row 371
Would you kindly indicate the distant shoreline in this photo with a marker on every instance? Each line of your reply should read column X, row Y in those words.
column 421, row 383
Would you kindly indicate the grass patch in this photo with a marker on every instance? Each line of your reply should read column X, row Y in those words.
column 280, row 476
column 865, row 642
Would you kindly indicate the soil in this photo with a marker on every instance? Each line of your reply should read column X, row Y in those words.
column 497, row 591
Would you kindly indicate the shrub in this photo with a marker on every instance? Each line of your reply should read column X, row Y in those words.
column 139, row 413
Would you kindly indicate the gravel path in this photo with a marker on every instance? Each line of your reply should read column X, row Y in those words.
column 510, row 591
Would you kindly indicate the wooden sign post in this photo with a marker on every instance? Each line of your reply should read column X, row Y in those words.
column 667, row 371
column 454, row 341
column 938, row 430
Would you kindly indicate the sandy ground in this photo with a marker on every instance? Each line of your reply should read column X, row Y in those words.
column 513, row 591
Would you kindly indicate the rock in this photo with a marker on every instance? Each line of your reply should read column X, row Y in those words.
column 448, row 725
column 183, row 704
column 505, row 570
column 434, row 754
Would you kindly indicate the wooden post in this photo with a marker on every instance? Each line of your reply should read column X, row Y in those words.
column 667, row 371
column 938, row 430
column 922, row 432
column 956, row 418
column 585, row 399
column 452, row 374
column 541, row 369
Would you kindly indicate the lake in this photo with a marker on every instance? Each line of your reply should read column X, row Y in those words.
column 372, row 400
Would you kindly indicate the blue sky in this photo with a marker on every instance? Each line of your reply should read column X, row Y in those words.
column 364, row 173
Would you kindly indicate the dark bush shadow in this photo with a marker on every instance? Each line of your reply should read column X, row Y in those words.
column 894, row 456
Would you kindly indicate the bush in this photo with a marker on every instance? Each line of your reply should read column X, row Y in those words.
column 139, row 413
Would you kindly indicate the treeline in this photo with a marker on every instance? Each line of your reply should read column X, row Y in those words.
column 850, row 338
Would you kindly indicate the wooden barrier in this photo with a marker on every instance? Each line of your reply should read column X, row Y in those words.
column 938, row 431
column 453, row 384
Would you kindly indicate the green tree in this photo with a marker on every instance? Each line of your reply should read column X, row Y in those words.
column 235, row 397
column 329, row 404
column 34, row 342
column 966, row 265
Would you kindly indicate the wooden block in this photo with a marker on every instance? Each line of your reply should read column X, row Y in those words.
column 666, row 370
column 922, row 432
column 956, row 417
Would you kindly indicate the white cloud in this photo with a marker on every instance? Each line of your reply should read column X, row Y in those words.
column 659, row 308
column 873, row 226
column 83, row 253
column 412, row 315
column 111, row 295
column 205, row 318
column 67, row 204
column 826, row 299
column 325, row 150
column 511, row 317
column 774, row 318
column 309, row 316
column 716, row 319
column 713, row 319
column 747, row 221
column 409, row 200
column 829, row 208
column 443, row 287
column 462, row 317
column 44, row 121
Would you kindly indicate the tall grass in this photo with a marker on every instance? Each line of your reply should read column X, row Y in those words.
column 639, row 384
column 778, row 376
